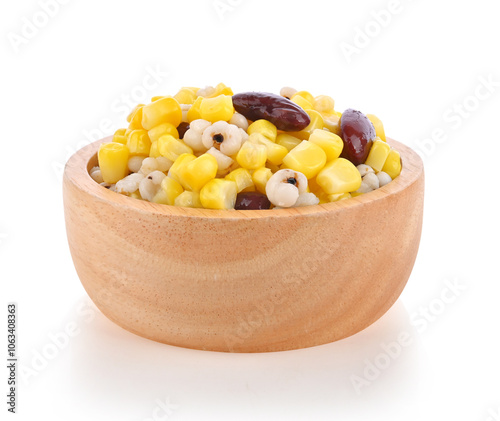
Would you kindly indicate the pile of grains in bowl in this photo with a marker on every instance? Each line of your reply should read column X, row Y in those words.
column 209, row 148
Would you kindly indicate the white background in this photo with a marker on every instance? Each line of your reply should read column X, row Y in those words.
column 61, row 85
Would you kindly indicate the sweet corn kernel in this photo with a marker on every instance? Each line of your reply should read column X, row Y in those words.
column 339, row 196
column 260, row 178
column 169, row 191
column 120, row 132
column 242, row 178
column 194, row 112
column 288, row 141
column 161, row 130
column 165, row 110
column 307, row 158
column 138, row 143
column 218, row 194
column 265, row 128
column 378, row 154
column 217, row 109
column 275, row 152
column 136, row 119
column 317, row 122
column 329, row 142
column 132, row 113
column 222, row 89
column 156, row 98
column 252, row 155
column 185, row 96
column 339, row 176
column 324, row 104
column 188, row 199
column 274, row 168
column 332, row 123
column 302, row 102
column 198, row 172
column 113, row 161
column 154, row 152
column 379, row 127
column 304, row 94
column 176, row 171
column 120, row 138
column 392, row 165
column 172, row 148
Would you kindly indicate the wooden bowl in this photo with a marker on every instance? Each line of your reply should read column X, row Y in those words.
column 243, row 281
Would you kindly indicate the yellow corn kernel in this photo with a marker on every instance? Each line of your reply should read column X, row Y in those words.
column 188, row 199
column 241, row 177
column 272, row 167
column 154, row 152
column 379, row 127
column 161, row 130
column 332, row 123
column 302, row 102
column 288, row 141
column 113, row 161
column 176, row 171
column 378, row 154
column 304, row 94
column 317, row 122
column 165, row 110
column 132, row 113
column 172, row 148
column 392, row 165
column 339, row 196
column 260, row 178
column 119, row 137
column 135, row 195
column 218, row 194
column 222, row 89
column 194, row 112
column 185, row 96
column 127, row 132
column 136, row 119
column 275, row 152
column 329, row 142
column 191, row 88
column 313, row 186
column 339, row 176
column 138, row 143
column 252, row 155
column 324, row 104
column 198, row 172
column 169, row 191
column 322, row 196
column 217, row 109
column 307, row 158
column 156, row 98
column 265, row 128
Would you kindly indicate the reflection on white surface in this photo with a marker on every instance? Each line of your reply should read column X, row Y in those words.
column 125, row 375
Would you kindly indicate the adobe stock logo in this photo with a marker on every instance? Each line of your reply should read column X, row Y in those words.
column 456, row 115
column 364, row 35
column 30, row 27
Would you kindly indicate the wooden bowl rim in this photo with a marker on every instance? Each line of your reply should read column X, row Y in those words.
column 78, row 166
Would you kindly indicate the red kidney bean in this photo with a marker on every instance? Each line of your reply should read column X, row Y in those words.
column 358, row 134
column 283, row 113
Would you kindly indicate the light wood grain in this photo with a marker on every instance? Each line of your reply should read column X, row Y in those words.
column 243, row 281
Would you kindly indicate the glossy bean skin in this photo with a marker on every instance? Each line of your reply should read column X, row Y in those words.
column 358, row 134
column 251, row 201
column 182, row 129
column 280, row 111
